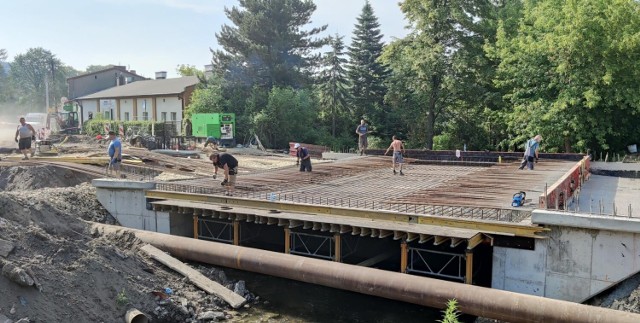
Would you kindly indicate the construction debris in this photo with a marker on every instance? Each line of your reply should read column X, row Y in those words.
column 195, row 277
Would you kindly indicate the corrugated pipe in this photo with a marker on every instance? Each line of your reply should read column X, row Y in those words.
column 474, row 300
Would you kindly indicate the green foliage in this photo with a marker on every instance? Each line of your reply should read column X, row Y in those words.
column 189, row 70
column 122, row 299
column 268, row 44
column 96, row 125
column 366, row 73
column 206, row 99
column 28, row 73
column 290, row 115
column 451, row 313
column 96, row 68
column 572, row 73
column 436, row 68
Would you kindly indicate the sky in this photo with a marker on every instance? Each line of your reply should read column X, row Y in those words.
column 153, row 35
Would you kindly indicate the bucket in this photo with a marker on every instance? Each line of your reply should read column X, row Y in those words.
column 633, row 148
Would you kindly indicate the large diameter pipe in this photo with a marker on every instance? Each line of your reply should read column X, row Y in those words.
column 135, row 316
column 474, row 300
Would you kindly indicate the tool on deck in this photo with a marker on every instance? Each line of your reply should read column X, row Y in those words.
column 518, row 199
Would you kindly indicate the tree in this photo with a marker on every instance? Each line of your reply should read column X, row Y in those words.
column 434, row 67
column 3, row 54
column 366, row 74
column 95, row 68
column 572, row 73
column 269, row 44
column 333, row 84
column 30, row 70
column 189, row 70
column 3, row 76
column 288, row 116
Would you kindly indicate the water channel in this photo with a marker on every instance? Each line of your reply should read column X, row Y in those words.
column 293, row 301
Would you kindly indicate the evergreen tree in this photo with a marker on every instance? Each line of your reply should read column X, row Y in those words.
column 333, row 84
column 366, row 74
column 269, row 44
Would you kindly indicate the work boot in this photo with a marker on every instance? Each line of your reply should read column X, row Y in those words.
column 401, row 174
column 25, row 158
column 33, row 153
column 394, row 172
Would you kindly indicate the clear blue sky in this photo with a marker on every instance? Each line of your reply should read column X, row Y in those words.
column 152, row 35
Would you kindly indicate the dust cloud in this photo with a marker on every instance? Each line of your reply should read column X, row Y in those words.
column 9, row 117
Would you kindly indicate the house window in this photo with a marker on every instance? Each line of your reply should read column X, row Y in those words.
column 163, row 116
column 145, row 116
column 107, row 115
column 126, row 116
column 174, row 116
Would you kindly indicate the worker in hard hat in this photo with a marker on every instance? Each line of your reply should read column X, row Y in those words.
column 303, row 158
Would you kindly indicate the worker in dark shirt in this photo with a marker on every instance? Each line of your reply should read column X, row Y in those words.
column 304, row 159
column 230, row 166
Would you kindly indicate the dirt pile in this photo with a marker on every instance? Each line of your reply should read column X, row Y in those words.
column 34, row 177
column 58, row 271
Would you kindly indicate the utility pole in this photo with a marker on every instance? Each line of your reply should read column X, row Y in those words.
column 46, row 91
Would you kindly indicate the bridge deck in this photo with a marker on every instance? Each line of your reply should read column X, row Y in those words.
column 447, row 188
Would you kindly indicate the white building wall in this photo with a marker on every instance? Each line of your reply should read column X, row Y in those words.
column 89, row 106
column 170, row 104
column 126, row 105
column 108, row 108
column 144, row 105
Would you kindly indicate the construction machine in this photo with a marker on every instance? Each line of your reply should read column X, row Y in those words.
column 65, row 121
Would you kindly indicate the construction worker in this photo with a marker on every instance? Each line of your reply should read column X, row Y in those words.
column 115, row 153
column 26, row 134
column 303, row 158
column 398, row 150
column 531, row 151
column 362, row 130
column 230, row 166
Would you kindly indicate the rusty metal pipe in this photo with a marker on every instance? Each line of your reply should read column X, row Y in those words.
column 474, row 300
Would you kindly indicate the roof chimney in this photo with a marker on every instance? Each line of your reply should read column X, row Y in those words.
column 161, row 75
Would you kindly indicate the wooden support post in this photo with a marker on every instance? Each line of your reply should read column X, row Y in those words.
column 195, row 226
column 468, row 277
column 338, row 245
column 236, row 233
column 287, row 240
column 117, row 110
column 135, row 110
column 404, row 256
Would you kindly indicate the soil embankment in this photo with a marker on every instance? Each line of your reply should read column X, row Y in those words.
column 55, row 270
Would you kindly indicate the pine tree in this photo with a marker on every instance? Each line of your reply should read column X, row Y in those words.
column 269, row 43
column 333, row 83
column 366, row 73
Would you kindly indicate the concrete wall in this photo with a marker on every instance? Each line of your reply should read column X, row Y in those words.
column 126, row 201
column 578, row 260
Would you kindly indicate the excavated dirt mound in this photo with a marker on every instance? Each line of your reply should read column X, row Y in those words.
column 34, row 177
column 58, row 271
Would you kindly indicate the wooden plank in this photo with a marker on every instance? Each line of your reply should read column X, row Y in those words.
column 195, row 276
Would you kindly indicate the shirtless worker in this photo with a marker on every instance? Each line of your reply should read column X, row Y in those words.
column 26, row 133
column 398, row 150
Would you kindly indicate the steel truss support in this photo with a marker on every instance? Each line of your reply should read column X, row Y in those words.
column 436, row 263
column 217, row 230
